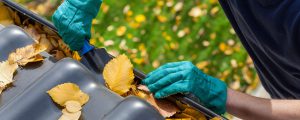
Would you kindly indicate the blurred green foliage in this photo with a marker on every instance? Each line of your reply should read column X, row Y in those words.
column 154, row 32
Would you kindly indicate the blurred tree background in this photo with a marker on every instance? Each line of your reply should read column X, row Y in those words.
column 154, row 32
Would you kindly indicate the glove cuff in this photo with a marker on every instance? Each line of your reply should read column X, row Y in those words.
column 213, row 96
column 88, row 6
column 217, row 95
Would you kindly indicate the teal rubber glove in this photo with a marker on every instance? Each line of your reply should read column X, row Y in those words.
column 73, row 19
column 184, row 77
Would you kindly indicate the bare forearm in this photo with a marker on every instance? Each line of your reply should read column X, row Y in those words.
column 252, row 108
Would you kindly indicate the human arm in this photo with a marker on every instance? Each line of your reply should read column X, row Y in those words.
column 73, row 20
column 253, row 108
column 184, row 77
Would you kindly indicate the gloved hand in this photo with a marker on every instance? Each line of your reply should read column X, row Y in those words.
column 73, row 20
column 184, row 77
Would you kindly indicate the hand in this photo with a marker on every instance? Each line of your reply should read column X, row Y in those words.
column 184, row 77
column 73, row 20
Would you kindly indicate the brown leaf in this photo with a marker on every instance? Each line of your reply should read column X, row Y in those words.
column 165, row 107
column 58, row 55
column 63, row 47
column 33, row 33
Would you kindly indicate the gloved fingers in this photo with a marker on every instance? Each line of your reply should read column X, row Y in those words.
column 63, row 17
column 165, row 81
column 168, row 65
column 181, row 86
column 159, row 74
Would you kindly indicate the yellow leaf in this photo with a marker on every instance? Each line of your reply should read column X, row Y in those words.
column 76, row 56
column 202, row 65
column 121, row 31
column 27, row 54
column 6, row 74
column 179, row 119
column 140, row 18
column 216, row 118
column 67, row 92
column 118, row 74
column 223, row 47
column 5, row 17
column 196, row 114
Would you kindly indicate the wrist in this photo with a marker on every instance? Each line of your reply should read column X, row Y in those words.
column 212, row 93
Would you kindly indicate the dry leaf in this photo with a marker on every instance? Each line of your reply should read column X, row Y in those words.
column 45, row 42
column 143, row 88
column 184, row 115
column 33, row 32
column 165, row 108
column 118, row 74
column 216, row 118
column 63, row 47
column 195, row 114
column 5, row 16
column 73, row 106
column 76, row 56
column 53, row 41
column 70, row 116
column 27, row 54
column 6, row 74
column 179, row 119
column 58, row 55
column 16, row 18
column 66, row 92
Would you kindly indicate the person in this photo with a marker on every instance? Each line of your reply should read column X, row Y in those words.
column 268, row 29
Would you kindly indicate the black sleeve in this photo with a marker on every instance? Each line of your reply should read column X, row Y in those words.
column 268, row 2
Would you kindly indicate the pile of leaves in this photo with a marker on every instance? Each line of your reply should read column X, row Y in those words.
column 20, row 57
column 119, row 77
column 41, row 34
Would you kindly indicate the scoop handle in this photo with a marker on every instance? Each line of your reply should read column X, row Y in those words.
column 87, row 47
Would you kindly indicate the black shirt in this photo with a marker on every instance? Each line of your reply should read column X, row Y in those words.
column 270, row 32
